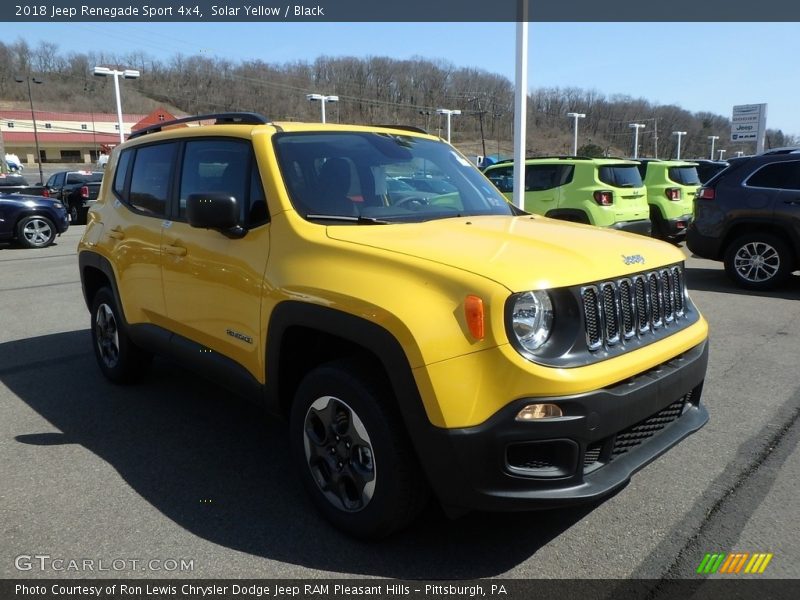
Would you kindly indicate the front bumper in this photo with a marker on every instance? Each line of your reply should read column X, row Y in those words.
column 642, row 227
column 604, row 437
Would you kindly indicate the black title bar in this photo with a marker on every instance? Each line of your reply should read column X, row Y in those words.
column 396, row 11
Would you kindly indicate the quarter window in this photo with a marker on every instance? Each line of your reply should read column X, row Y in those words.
column 782, row 175
column 121, row 176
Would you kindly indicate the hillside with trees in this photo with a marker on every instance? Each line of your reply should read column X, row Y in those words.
column 372, row 90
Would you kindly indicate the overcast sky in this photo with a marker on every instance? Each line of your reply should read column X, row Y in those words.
column 697, row 66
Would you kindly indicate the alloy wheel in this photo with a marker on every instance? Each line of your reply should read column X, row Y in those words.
column 339, row 453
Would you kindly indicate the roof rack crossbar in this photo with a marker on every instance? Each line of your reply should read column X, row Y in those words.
column 244, row 118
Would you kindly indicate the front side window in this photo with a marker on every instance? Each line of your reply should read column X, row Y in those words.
column 350, row 175
column 223, row 166
column 503, row 178
column 149, row 189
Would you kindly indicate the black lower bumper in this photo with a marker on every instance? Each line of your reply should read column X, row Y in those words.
column 677, row 227
column 642, row 227
column 703, row 246
column 602, row 439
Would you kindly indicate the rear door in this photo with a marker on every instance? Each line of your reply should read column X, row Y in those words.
column 541, row 188
column 777, row 185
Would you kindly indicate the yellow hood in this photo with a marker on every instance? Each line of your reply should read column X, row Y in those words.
column 521, row 253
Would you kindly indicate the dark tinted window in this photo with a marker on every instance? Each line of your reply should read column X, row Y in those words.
column 87, row 177
column 545, row 177
column 782, row 175
column 624, row 176
column 684, row 175
column 151, row 178
column 706, row 171
column 123, row 164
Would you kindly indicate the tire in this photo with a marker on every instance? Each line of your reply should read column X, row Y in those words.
column 352, row 451
column 758, row 261
column 36, row 231
column 74, row 214
column 120, row 360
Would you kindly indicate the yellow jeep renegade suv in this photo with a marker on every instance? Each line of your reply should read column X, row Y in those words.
column 444, row 343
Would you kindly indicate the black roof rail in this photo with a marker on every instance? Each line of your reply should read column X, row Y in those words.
column 560, row 157
column 404, row 128
column 244, row 118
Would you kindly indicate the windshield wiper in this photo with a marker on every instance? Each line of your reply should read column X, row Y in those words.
column 348, row 219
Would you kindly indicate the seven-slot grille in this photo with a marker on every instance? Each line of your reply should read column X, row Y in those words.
column 616, row 311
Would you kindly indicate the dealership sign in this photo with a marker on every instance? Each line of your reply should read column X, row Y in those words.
column 749, row 122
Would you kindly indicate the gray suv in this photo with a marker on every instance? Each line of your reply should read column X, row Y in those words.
column 749, row 217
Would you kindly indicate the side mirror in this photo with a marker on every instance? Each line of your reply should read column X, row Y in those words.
column 215, row 211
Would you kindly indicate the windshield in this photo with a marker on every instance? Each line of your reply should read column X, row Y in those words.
column 684, row 175
column 364, row 178
column 623, row 176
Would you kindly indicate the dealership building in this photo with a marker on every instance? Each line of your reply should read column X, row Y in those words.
column 68, row 137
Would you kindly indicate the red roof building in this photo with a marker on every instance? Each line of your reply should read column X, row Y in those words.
column 67, row 136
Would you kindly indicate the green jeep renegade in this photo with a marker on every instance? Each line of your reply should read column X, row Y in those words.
column 671, row 188
column 606, row 192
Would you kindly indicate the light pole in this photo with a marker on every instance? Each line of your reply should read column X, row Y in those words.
column 448, row 113
column 575, row 116
column 721, row 152
column 28, row 79
column 322, row 101
column 127, row 74
column 713, row 138
column 680, row 134
column 636, row 127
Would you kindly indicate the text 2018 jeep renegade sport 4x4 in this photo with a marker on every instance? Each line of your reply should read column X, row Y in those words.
column 446, row 343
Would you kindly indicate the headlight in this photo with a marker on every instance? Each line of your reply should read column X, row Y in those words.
column 532, row 319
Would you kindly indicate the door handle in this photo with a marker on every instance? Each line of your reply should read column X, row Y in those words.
column 175, row 250
column 116, row 233
column 794, row 202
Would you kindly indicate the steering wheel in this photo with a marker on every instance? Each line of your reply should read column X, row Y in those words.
column 412, row 203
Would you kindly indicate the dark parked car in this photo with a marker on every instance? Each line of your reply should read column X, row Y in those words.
column 749, row 217
column 14, row 183
column 706, row 169
column 33, row 221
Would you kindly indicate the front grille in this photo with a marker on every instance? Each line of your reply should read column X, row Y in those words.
column 635, row 307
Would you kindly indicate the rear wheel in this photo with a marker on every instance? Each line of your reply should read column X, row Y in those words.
column 758, row 261
column 36, row 232
column 118, row 357
column 352, row 451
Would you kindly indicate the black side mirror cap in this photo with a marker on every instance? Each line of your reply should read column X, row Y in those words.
column 216, row 211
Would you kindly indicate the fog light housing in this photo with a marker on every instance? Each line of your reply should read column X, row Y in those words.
column 535, row 412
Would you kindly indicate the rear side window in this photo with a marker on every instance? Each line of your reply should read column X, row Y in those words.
column 623, row 176
column 684, row 175
column 546, row 177
column 151, row 178
column 783, row 175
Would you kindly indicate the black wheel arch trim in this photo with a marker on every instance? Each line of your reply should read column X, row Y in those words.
column 569, row 214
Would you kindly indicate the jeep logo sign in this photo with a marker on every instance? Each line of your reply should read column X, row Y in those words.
column 633, row 259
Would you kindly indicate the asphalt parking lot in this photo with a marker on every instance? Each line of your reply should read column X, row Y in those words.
column 176, row 469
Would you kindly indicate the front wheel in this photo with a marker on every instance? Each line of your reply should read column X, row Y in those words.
column 36, row 232
column 352, row 451
column 758, row 261
column 118, row 357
